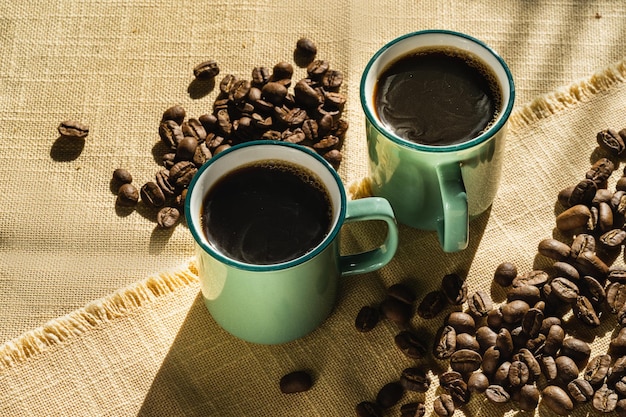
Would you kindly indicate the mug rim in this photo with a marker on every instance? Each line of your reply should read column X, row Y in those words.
column 198, row 235
column 492, row 131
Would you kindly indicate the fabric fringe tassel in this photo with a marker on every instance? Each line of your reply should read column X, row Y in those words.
column 95, row 314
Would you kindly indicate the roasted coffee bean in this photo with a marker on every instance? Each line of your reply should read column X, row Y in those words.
column 580, row 390
column 167, row 217
column 519, row 374
column 368, row 409
column 564, row 289
column 171, row 133
column 186, row 148
column 613, row 238
column 581, row 244
column 605, row 217
column 534, row 369
column 491, row 360
column 528, row 293
column 152, row 195
column 621, row 407
column 201, row 155
column 396, row 310
column 600, row 171
column 462, row 322
column 536, row 344
column 514, row 311
column 260, row 76
column 467, row 341
column 176, row 113
column 415, row 379
column 577, row 349
column 588, row 263
column 122, row 176
column 557, row 400
column 585, row 312
column 616, row 296
column 431, row 305
column 554, row 249
column 583, row 193
column 554, row 339
column 162, row 179
column 306, row 48
column 193, row 127
column 548, row 367
column 501, row 376
column 182, row 172
column 565, row 270
column 504, row 343
column 548, row 322
column 505, row 273
column 617, row 370
column 294, row 382
column 617, row 346
column 332, row 80
column 445, row 342
column 282, row 71
column 485, row 337
column 410, row 344
column 610, row 141
column 414, row 409
column 444, row 405
column 528, row 397
column 605, row 399
column 366, row 319
column 566, row 369
column 535, row 277
column 495, row 319
column 477, row 382
column 448, row 378
column 617, row 273
column 206, row 70
column 455, row 289
column 620, row 386
column 274, row 92
column 317, row 69
column 127, row 196
column 465, row 361
column 479, row 304
column 401, row 292
column 73, row 129
column 389, row 395
column 597, row 369
column 458, row 391
column 573, row 218
column 497, row 394
column 532, row 321
column 594, row 290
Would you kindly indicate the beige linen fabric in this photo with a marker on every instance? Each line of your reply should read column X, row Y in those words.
column 151, row 348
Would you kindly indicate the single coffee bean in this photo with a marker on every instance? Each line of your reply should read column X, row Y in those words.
column 620, row 386
column 548, row 322
column 73, row 129
column 548, row 367
column 445, row 342
column 458, row 391
column 505, row 273
column 170, row 133
column 167, row 217
column 554, row 249
column 565, row 270
column 306, row 47
column 465, row 361
column 152, row 195
column 122, row 176
column 536, row 344
column 617, row 273
column 564, row 289
column 462, row 322
column 127, row 195
column 396, row 310
column 366, row 319
column 467, row 341
column 479, row 304
column 554, row 339
column 583, row 193
column 577, row 349
column 368, row 409
column 594, row 290
column 598, row 369
column 564, row 194
column 557, row 400
column 332, row 80
column 585, row 312
column 176, row 113
column 478, row 382
column 206, row 70
column 613, row 238
column 616, row 296
column 274, row 93
column 518, row 374
column 402, row 293
column 605, row 216
column 621, row 407
column 532, row 321
column 617, row 346
column 588, row 263
column 580, row 390
column 601, row 170
column 605, row 399
column 617, row 370
column 491, row 360
column 514, row 311
column 566, row 369
column 582, row 243
column 414, row 409
column 534, row 369
column 317, row 69
column 528, row 293
column 431, row 305
column 410, row 344
column 294, row 382
column 573, row 218
column 260, row 76
column 485, row 337
column 448, row 378
column 497, row 394
column 504, row 343
column 455, row 289
column 444, row 405
column 389, row 395
column 415, row 379
column 495, row 320
column 528, row 397
column 501, row 377
column 182, row 172
column 610, row 141
column 535, row 277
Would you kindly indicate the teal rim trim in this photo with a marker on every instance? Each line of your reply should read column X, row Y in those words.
column 447, row 148
column 195, row 227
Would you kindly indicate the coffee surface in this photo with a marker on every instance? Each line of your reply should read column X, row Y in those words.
column 267, row 213
column 437, row 97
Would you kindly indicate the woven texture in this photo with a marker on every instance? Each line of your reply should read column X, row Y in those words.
column 147, row 346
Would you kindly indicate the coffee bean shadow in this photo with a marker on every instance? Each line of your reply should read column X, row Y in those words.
column 65, row 149
column 199, row 88
column 159, row 238
column 158, row 151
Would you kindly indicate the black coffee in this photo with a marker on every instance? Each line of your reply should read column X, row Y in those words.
column 267, row 213
column 439, row 96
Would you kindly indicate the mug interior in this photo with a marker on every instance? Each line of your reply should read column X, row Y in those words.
column 248, row 153
column 404, row 45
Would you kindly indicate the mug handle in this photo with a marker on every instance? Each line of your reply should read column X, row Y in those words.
column 370, row 208
column 453, row 227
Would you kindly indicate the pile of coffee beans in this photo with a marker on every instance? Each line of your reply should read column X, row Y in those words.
column 533, row 349
column 267, row 105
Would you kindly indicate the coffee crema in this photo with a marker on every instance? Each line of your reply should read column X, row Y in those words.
column 267, row 212
column 437, row 96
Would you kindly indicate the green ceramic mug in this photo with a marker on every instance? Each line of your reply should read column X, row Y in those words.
column 436, row 187
column 277, row 303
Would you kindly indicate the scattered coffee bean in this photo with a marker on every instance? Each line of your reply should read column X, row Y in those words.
column 366, row 319
column 557, row 400
column 294, row 382
column 368, row 409
column 306, row 48
column 73, row 129
column 505, row 273
column 605, row 399
column 389, row 395
column 444, row 405
column 454, row 288
column 127, row 195
column 206, row 70
column 478, row 382
column 497, row 394
column 580, row 390
column 432, row 304
column 415, row 409
column 167, row 217
column 396, row 310
column 415, row 379
column 122, row 176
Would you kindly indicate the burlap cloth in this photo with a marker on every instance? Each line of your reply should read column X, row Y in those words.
column 147, row 346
